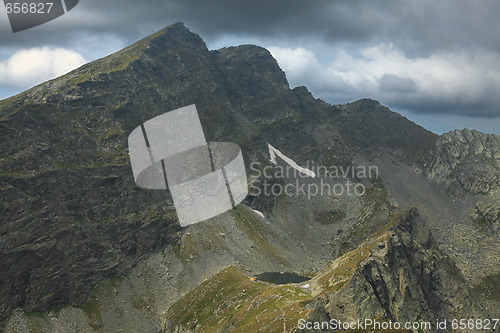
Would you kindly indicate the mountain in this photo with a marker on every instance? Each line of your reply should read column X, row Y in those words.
column 82, row 247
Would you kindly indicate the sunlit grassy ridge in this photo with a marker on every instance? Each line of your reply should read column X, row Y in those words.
column 230, row 300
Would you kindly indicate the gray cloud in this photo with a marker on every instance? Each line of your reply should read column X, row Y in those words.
column 464, row 82
column 418, row 26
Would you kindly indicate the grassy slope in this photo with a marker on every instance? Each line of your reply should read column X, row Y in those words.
column 231, row 301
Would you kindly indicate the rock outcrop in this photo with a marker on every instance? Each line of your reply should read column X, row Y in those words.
column 466, row 162
column 404, row 278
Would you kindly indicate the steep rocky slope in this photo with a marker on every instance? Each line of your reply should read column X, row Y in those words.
column 466, row 162
column 71, row 214
column 401, row 276
column 397, row 274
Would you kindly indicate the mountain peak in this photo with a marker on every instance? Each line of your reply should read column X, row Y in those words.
column 173, row 38
column 176, row 25
column 174, row 33
column 172, row 43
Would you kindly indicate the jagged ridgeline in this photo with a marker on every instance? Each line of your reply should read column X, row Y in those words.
column 78, row 237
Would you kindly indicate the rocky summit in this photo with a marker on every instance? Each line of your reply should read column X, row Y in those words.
column 83, row 249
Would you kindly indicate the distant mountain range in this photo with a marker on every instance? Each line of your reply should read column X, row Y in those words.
column 83, row 248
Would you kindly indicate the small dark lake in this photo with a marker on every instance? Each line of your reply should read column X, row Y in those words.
column 279, row 278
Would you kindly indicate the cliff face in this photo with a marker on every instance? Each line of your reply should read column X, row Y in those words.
column 71, row 214
column 404, row 278
column 466, row 162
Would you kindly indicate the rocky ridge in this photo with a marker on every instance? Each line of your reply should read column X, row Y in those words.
column 403, row 277
column 466, row 161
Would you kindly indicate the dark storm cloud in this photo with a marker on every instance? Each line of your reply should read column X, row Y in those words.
column 416, row 25
column 130, row 19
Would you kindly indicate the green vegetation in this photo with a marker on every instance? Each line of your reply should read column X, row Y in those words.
column 231, row 300
column 112, row 63
column 338, row 273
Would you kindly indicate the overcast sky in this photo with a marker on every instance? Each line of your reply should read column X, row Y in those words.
column 436, row 62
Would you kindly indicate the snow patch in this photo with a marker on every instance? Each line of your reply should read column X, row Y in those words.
column 272, row 156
